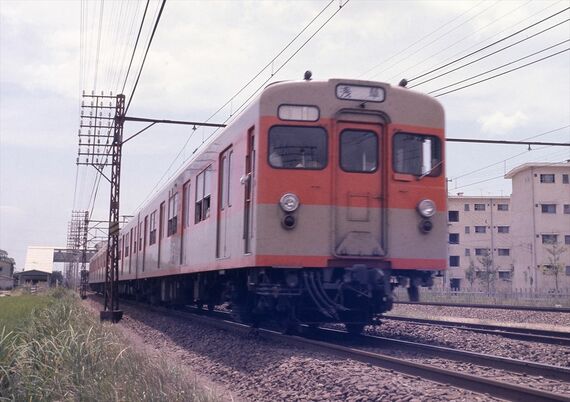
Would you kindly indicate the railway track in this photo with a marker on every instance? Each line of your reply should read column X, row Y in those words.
column 340, row 344
column 490, row 306
column 519, row 333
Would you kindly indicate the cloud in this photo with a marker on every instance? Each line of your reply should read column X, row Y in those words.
column 500, row 123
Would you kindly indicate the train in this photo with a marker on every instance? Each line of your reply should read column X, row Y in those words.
column 316, row 202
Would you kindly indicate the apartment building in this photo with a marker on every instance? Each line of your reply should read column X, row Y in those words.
column 522, row 237
column 480, row 239
column 541, row 222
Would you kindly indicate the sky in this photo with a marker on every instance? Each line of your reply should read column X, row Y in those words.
column 204, row 52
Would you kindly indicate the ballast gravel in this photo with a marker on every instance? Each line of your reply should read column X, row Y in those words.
column 257, row 370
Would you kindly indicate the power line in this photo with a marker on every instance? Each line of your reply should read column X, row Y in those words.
column 240, row 108
column 488, row 46
column 271, row 61
column 490, row 54
column 145, row 54
column 136, row 44
column 494, row 76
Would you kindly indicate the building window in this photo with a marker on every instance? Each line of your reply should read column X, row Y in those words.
column 502, row 229
column 566, row 239
column 152, row 229
column 565, row 179
column 548, row 208
column 467, row 252
column 504, row 252
column 567, row 208
column 466, row 207
column 203, row 195
column 479, row 207
column 454, row 238
column 467, row 230
column 453, row 260
column 502, row 207
column 480, row 229
column 481, row 251
column 549, row 238
column 567, row 270
column 547, row 178
column 453, row 216
column 505, row 275
column 172, row 214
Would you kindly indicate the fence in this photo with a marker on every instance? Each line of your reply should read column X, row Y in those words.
column 520, row 297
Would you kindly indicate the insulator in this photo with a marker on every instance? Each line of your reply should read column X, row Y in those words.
column 83, row 102
column 98, row 140
column 102, row 93
column 96, row 160
column 79, row 140
column 88, row 140
column 87, row 160
column 89, row 132
column 100, row 114
column 90, row 113
column 79, row 130
column 92, row 92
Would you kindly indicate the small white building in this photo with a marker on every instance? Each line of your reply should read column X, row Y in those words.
column 541, row 217
column 479, row 235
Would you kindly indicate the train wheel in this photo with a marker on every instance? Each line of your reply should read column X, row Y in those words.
column 354, row 328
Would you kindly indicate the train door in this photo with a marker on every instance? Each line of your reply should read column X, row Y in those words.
column 160, row 231
column 358, row 191
column 224, row 204
column 185, row 221
column 247, row 180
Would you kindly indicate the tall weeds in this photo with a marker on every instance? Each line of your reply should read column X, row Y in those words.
column 65, row 354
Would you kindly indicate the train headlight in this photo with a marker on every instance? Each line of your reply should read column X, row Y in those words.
column 289, row 202
column 426, row 208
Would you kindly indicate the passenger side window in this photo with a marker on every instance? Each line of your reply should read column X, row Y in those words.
column 203, row 195
column 296, row 147
column 358, row 151
column 416, row 154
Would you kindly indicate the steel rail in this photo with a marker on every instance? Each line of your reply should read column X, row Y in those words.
column 526, row 334
column 443, row 376
column 490, row 306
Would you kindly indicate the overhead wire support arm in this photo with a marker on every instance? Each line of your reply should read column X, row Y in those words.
column 505, row 142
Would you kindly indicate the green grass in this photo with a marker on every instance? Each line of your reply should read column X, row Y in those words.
column 15, row 310
column 64, row 353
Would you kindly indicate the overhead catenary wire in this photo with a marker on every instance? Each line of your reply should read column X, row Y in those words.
column 492, row 77
column 488, row 46
column 493, row 53
column 145, row 55
column 239, row 109
column 135, row 47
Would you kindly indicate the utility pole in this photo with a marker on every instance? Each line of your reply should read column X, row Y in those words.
column 103, row 118
column 100, row 145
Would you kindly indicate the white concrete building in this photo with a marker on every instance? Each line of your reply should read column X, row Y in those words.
column 525, row 235
column 479, row 234
column 540, row 215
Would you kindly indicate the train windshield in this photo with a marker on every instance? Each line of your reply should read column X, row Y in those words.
column 417, row 154
column 296, row 147
column 358, row 151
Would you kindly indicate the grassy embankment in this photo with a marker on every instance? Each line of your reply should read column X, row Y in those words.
column 62, row 353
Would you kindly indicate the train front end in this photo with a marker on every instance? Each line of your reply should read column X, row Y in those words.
column 350, row 199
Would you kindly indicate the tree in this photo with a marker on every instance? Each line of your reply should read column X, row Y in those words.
column 554, row 264
column 471, row 273
column 488, row 274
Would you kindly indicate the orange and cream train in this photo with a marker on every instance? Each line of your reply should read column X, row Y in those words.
column 310, row 207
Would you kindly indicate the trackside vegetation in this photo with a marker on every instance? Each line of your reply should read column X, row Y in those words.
column 63, row 353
